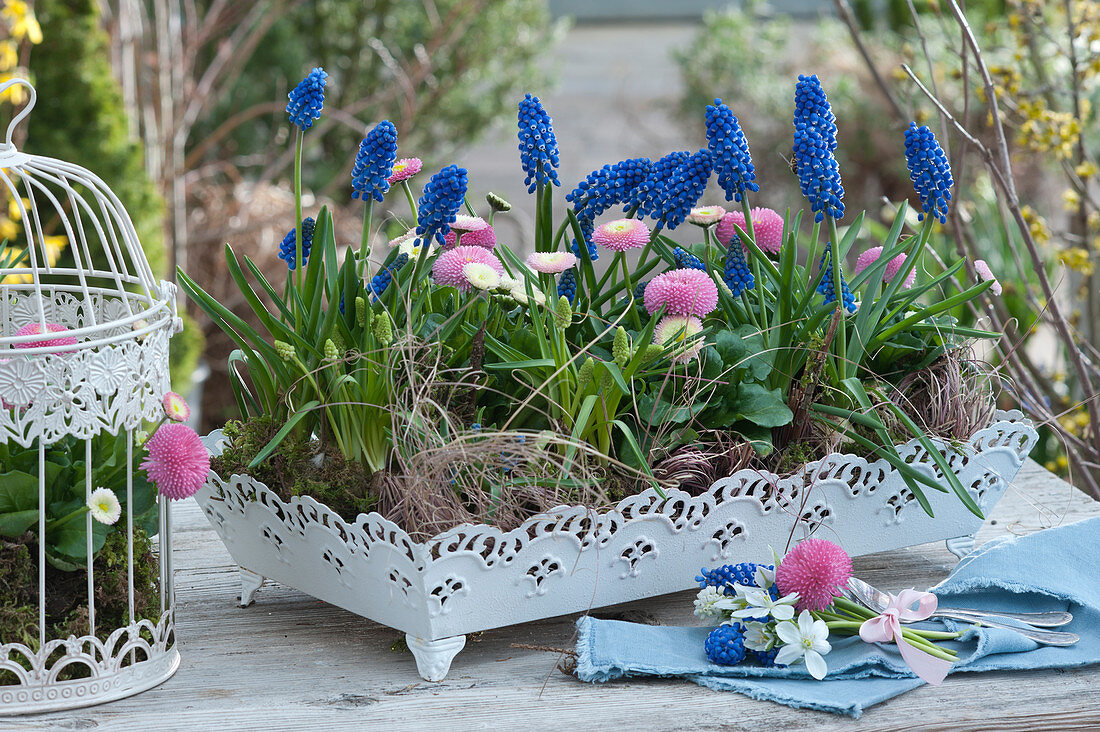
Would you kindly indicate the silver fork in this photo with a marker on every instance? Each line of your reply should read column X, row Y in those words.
column 877, row 600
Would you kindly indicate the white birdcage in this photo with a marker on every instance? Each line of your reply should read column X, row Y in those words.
column 109, row 382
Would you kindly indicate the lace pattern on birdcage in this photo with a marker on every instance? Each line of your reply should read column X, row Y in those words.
column 793, row 496
column 108, row 666
column 112, row 386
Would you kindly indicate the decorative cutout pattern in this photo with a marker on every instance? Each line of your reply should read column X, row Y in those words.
column 558, row 562
column 641, row 548
column 440, row 599
column 539, row 573
column 110, row 387
column 38, row 687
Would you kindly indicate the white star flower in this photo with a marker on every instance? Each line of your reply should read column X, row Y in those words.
column 806, row 640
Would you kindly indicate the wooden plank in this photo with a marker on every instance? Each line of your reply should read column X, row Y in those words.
column 292, row 662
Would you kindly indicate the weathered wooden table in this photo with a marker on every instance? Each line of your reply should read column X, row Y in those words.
column 292, row 662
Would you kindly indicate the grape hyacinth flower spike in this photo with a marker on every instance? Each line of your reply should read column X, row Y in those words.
column 929, row 170
column 440, row 203
column 286, row 247
column 737, row 275
column 538, row 148
column 567, row 286
column 828, row 286
column 814, row 143
column 374, row 162
column 647, row 195
column 683, row 190
column 730, row 152
column 307, row 99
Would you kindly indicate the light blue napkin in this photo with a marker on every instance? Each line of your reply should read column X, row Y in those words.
column 1049, row 570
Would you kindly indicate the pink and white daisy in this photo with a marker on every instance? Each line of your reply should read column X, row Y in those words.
column 551, row 262
column 986, row 274
column 679, row 333
column 869, row 257
column 767, row 228
column 682, row 292
column 399, row 240
column 473, row 230
column 817, row 569
column 706, row 215
column 448, row 267
column 178, row 462
column 621, row 235
column 176, row 407
column 35, row 329
column 404, row 169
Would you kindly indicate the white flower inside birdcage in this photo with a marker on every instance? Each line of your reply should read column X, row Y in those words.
column 84, row 331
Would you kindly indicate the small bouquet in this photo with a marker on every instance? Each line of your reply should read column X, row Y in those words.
column 757, row 605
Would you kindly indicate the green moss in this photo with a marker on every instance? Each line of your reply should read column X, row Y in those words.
column 294, row 469
column 67, row 599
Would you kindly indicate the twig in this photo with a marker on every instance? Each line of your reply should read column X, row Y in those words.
column 849, row 18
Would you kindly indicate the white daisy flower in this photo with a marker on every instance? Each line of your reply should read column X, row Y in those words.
column 104, row 506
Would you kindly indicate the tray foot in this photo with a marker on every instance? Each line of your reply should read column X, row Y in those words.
column 960, row 546
column 250, row 582
column 433, row 658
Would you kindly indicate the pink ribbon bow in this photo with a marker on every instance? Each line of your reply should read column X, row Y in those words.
column 887, row 627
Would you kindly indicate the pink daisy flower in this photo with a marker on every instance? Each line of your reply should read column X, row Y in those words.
column 551, row 262
column 706, row 215
column 869, row 257
column 816, row 569
column 678, row 333
column 404, row 169
column 176, row 407
column 682, row 292
column 474, row 230
column 767, row 227
column 35, row 329
column 621, row 234
column 986, row 273
column 448, row 267
column 178, row 463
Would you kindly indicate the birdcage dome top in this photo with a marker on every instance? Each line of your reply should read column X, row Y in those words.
column 84, row 323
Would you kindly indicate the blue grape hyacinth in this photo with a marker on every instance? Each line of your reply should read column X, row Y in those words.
column 725, row 645
column 538, row 148
column 587, row 225
column 814, row 143
column 647, row 195
column 737, row 275
column 307, row 99
column 828, row 288
column 440, row 203
column 728, row 575
column 683, row 190
column 929, row 170
column 374, row 162
column 730, row 152
column 286, row 247
column 567, row 285
column 603, row 188
column 687, row 260
column 609, row 186
column 811, row 107
column 382, row 280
